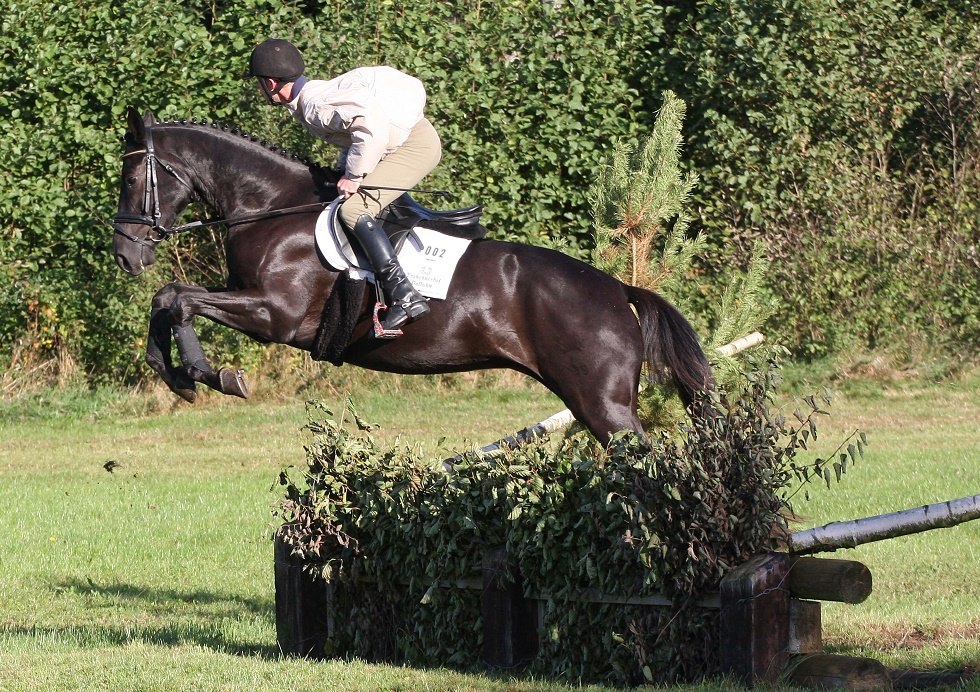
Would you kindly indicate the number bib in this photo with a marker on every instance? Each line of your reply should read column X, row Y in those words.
column 429, row 258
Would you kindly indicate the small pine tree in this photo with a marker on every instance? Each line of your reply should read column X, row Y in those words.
column 638, row 203
column 745, row 307
column 641, row 236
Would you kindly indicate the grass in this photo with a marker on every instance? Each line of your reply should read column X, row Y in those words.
column 925, row 608
column 158, row 575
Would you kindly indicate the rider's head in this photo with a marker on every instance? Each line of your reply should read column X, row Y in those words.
column 275, row 63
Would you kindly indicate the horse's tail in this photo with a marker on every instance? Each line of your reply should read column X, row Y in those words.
column 671, row 344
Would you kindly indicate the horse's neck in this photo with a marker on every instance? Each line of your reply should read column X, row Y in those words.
column 239, row 177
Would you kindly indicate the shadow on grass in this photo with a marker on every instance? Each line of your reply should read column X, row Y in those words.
column 163, row 617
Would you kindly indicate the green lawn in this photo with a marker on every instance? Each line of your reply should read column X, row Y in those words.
column 158, row 575
column 924, row 448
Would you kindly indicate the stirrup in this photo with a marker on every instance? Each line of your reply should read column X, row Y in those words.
column 379, row 329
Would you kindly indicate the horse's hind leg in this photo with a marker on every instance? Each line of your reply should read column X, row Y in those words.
column 607, row 409
column 602, row 396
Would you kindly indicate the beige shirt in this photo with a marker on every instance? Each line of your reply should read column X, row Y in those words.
column 369, row 112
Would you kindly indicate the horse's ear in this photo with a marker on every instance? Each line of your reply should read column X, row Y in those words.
column 136, row 129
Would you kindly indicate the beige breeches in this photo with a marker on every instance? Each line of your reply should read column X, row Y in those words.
column 404, row 167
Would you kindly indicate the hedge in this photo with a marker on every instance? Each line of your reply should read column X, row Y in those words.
column 841, row 135
column 389, row 528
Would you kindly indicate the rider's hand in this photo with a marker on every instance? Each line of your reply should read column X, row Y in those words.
column 347, row 187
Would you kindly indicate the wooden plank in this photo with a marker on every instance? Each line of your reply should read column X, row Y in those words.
column 826, row 579
column 832, row 671
column 754, row 619
column 656, row 600
column 805, row 635
column 510, row 621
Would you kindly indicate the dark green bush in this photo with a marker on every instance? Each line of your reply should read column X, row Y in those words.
column 841, row 135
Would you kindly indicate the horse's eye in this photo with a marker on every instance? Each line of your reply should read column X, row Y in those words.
column 131, row 180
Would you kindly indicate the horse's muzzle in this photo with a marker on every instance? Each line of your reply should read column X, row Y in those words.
column 132, row 258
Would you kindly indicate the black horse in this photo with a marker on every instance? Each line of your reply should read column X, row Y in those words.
column 534, row 310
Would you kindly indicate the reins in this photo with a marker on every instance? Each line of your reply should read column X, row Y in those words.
column 273, row 213
column 438, row 193
column 247, row 218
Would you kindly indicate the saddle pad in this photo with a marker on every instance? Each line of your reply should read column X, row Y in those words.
column 428, row 257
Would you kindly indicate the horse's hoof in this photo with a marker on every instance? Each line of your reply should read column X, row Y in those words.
column 188, row 395
column 233, row 382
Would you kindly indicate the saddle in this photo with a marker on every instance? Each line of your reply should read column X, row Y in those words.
column 398, row 219
column 405, row 213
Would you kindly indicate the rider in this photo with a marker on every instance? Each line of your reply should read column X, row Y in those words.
column 375, row 115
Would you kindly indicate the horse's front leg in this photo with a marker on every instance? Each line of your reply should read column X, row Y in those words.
column 158, row 346
column 194, row 364
column 254, row 312
column 224, row 380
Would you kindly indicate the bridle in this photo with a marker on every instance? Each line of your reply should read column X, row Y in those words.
column 150, row 215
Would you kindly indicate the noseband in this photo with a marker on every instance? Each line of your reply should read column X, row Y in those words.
column 151, row 199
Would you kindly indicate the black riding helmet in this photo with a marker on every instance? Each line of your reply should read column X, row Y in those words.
column 278, row 59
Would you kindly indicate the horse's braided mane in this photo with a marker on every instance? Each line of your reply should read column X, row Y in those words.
column 203, row 122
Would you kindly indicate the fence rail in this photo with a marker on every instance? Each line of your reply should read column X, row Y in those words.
column 850, row 534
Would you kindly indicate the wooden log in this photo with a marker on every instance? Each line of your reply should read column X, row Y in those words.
column 836, row 672
column 754, row 619
column 805, row 627
column 510, row 621
column 825, row 579
column 741, row 344
column 302, row 608
column 850, row 534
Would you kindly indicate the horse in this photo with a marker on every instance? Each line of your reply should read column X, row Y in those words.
column 580, row 332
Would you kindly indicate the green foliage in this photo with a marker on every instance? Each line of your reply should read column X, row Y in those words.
column 403, row 541
column 640, row 208
column 841, row 137
column 639, row 205
column 745, row 307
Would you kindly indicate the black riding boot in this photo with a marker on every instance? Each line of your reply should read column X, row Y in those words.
column 405, row 303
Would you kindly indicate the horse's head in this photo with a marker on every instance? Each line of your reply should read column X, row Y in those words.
column 151, row 195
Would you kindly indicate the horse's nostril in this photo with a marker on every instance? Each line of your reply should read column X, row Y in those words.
column 127, row 266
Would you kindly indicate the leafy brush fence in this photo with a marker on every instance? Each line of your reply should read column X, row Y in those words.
column 602, row 564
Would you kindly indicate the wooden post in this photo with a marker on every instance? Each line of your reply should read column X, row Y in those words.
column 510, row 621
column 805, row 631
column 754, row 619
column 301, row 606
